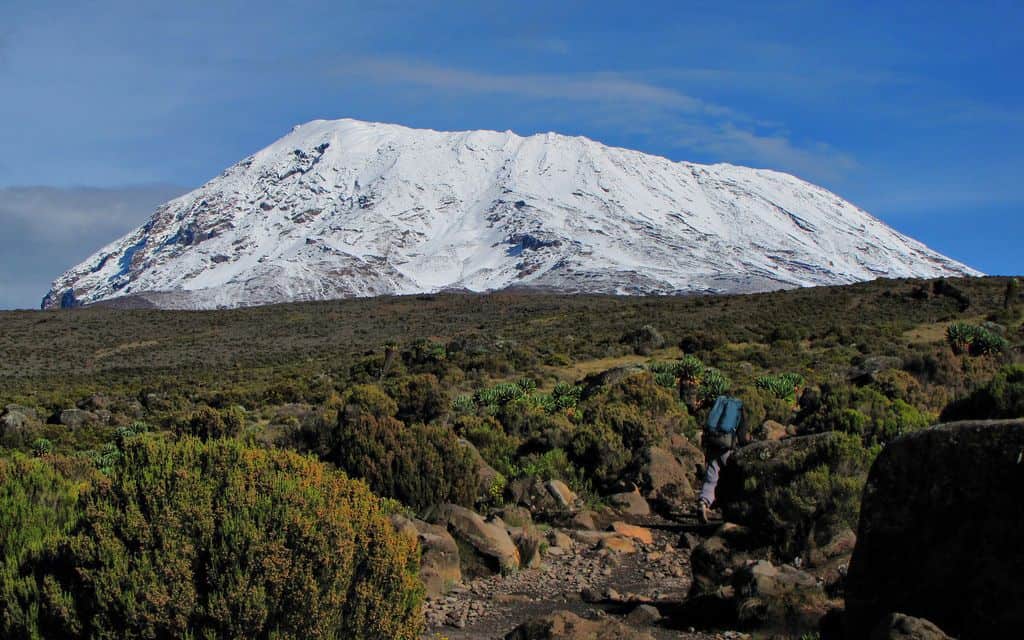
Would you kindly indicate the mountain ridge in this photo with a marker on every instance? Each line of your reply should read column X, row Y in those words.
column 343, row 208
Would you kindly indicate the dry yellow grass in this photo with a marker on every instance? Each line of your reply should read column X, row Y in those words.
column 581, row 369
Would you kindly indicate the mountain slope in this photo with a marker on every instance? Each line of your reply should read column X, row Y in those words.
column 347, row 208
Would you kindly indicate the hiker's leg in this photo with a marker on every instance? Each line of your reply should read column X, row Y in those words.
column 707, row 490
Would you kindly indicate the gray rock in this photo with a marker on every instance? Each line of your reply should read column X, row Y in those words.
column 900, row 627
column 561, row 492
column 643, row 615
column 940, row 530
column 489, row 539
column 77, row 418
column 630, row 503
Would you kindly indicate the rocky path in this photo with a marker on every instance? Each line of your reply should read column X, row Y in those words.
column 588, row 579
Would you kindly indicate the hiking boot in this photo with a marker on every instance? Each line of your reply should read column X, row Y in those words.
column 703, row 512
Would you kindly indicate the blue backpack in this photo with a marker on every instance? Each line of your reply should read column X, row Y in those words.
column 724, row 422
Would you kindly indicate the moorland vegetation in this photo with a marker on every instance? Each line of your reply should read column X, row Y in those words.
column 231, row 473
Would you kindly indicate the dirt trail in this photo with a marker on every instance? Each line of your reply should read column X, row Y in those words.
column 587, row 581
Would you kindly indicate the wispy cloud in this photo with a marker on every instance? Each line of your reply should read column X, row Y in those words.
column 815, row 159
column 601, row 87
column 629, row 102
column 47, row 230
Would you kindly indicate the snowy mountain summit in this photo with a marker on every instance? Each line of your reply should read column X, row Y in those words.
column 346, row 208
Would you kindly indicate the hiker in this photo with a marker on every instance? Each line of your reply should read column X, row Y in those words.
column 725, row 430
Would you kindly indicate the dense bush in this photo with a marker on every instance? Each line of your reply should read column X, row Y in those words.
column 1002, row 397
column 864, row 412
column 801, row 495
column 644, row 340
column 420, row 465
column 200, row 539
column 38, row 509
column 207, row 423
column 218, row 540
column 975, row 340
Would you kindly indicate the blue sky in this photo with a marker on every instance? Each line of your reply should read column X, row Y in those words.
column 914, row 112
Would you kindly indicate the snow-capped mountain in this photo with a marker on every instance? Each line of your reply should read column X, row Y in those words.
column 346, row 208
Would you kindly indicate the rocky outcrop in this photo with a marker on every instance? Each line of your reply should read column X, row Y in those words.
column 439, row 554
column 15, row 420
column 940, row 532
column 782, row 599
column 714, row 561
column 77, row 418
column 490, row 540
column 667, row 477
column 799, row 493
column 630, row 503
column 565, row 625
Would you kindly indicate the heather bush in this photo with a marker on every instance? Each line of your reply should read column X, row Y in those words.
column 218, row 540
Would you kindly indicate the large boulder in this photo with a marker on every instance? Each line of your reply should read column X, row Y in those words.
column 782, row 599
column 565, row 625
column 77, row 418
column 940, row 532
column 667, row 477
column 715, row 560
column 16, row 419
column 800, row 493
column 489, row 479
column 439, row 554
column 630, row 503
column 489, row 540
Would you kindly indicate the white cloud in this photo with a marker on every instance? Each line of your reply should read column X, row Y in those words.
column 626, row 102
column 47, row 230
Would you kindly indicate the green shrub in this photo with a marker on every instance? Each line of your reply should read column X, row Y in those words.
column 714, row 383
column 1002, row 397
column 599, row 451
column 801, row 496
column 864, row 412
column 644, row 340
column 420, row 398
column 485, row 433
column 38, row 509
column 974, row 340
column 207, row 423
column 419, row 465
column 760, row 405
column 218, row 540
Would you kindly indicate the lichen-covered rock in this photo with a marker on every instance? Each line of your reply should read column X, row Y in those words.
column 561, row 492
column 940, row 532
column 798, row 493
column 617, row 543
column 642, row 535
column 77, row 418
column 778, row 598
column 528, row 540
column 583, row 520
column 15, row 418
column 533, row 494
column 565, row 625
